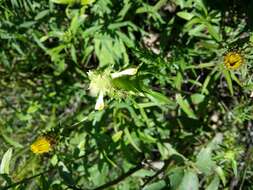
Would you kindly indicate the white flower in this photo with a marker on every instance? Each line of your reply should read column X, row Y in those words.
column 100, row 102
column 130, row 71
column 99, row 83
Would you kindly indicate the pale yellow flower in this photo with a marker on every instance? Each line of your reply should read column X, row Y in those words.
column 101, row 84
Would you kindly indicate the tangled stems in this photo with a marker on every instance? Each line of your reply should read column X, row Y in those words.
column 104, row 186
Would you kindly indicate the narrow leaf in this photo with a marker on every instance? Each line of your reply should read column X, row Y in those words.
column 184, row 105
column 5, row 164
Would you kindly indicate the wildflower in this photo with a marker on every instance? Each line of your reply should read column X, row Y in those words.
column 101, row 84
column 42, row 145
column 100, row 102
column 233, row 60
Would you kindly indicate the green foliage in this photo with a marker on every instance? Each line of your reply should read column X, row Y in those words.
column 131, row 94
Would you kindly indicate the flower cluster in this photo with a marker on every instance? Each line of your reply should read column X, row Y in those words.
column 101, row 84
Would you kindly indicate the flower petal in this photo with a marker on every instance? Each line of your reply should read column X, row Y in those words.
column 130, row 71
column 100, row 102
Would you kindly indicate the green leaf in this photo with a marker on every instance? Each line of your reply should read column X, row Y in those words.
column 176, row 175
column 251, row 38
column 236, row 79
column 221, row 174
column 214, row 184
column 116, row 137
column 190, row 181
column 158, row 98
column 185, row 15
column 185, row 106
column 11, row 141
column 156, row 185
column 65, row 174
column 204, row 161
column 87, row 2
column 127, row 84
column 234, row 167
column 144, row 173
column 27, row 24
column 166, row 151
column 64, row 1
column 5, row 164
column 73, row 53
column 41, row 14
column 33, row 108
column 205, row 84
column 213, row 30
column 197, row 98
column 217, row 140
column 128, row 135
column 229, row 81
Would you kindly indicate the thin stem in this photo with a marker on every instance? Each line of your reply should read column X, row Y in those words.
column 25, row 180
column 151, row 178
column 120, row 178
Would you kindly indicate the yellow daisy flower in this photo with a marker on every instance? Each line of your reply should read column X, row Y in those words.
column 42, row 145
column 233, row 60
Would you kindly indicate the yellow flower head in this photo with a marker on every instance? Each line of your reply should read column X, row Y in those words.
column 233, row 60
column 42, row 145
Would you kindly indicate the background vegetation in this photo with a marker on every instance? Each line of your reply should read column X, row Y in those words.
column 184, row 121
